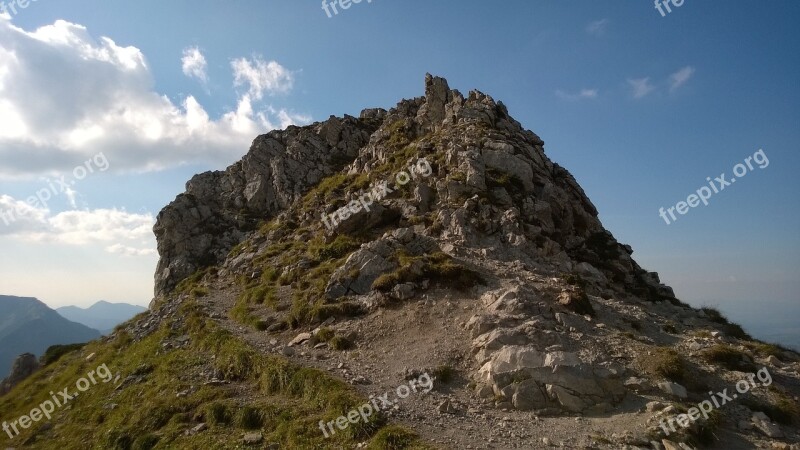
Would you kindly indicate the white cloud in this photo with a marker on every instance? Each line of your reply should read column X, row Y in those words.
column 680, row 77
column 18, row 216
column 124, row 250
column 597, row 27
column 65, row 96
column 127, row 231
column 641, row 87
column 194, row 64
column 261, row 77
column 582, row 95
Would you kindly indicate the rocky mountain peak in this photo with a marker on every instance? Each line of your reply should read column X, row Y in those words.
column 493, row 182
column 438, row 237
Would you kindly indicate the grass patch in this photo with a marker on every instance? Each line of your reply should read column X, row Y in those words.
column 728, row 357
column 731, row 329
column 342, row 246
column 438, row 267
column 395, row 438
column 664, row 362
column 249, row 418
column 703, row 431
column 341, row 343
column 782, row 410
column 497, row 178
column 765, row 349
column 55, row 352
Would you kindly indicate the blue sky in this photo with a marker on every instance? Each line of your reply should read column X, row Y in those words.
column 640, row 108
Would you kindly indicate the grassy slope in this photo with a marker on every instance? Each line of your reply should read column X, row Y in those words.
column 266, row 393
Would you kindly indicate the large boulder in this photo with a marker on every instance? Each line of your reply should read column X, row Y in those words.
column 24, row 366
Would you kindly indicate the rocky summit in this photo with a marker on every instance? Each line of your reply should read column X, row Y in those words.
column 342, row 262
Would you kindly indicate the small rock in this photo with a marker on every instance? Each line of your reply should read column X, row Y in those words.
column 299, row 339
column 253, row 438
column 774, row 361
column 654, row 406
column 287, row 351
column 762, row 422
column 636, row 384
column 673, row 389
column 275, row 327
column 199, row 428
column 446, row 407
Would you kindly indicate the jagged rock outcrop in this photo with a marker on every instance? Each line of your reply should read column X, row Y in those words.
column 479, row 260
column 24, row 366
column 495, row 185
column 201, row 225
column 490, row 187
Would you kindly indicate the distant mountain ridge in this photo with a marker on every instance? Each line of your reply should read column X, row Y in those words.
column 29, row 326
column 102, row 316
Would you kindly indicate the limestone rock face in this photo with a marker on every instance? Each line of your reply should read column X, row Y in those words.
column 501, row 188
column 24, row 366
column 200, row 226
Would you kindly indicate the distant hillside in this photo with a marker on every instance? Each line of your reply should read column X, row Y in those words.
column 103, row 316
column 29, row 326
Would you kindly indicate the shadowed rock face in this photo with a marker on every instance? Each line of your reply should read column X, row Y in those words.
column 508, row 188
column 201, row 225
column 24, row 366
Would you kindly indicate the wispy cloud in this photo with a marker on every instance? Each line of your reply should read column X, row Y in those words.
column 125, row 250
column 98, row 96
column 119, row 231
column 262, row 77
column 641, row 87
column 597, row 27
column 584, row 94
column 680, row 78
column 194, row 64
